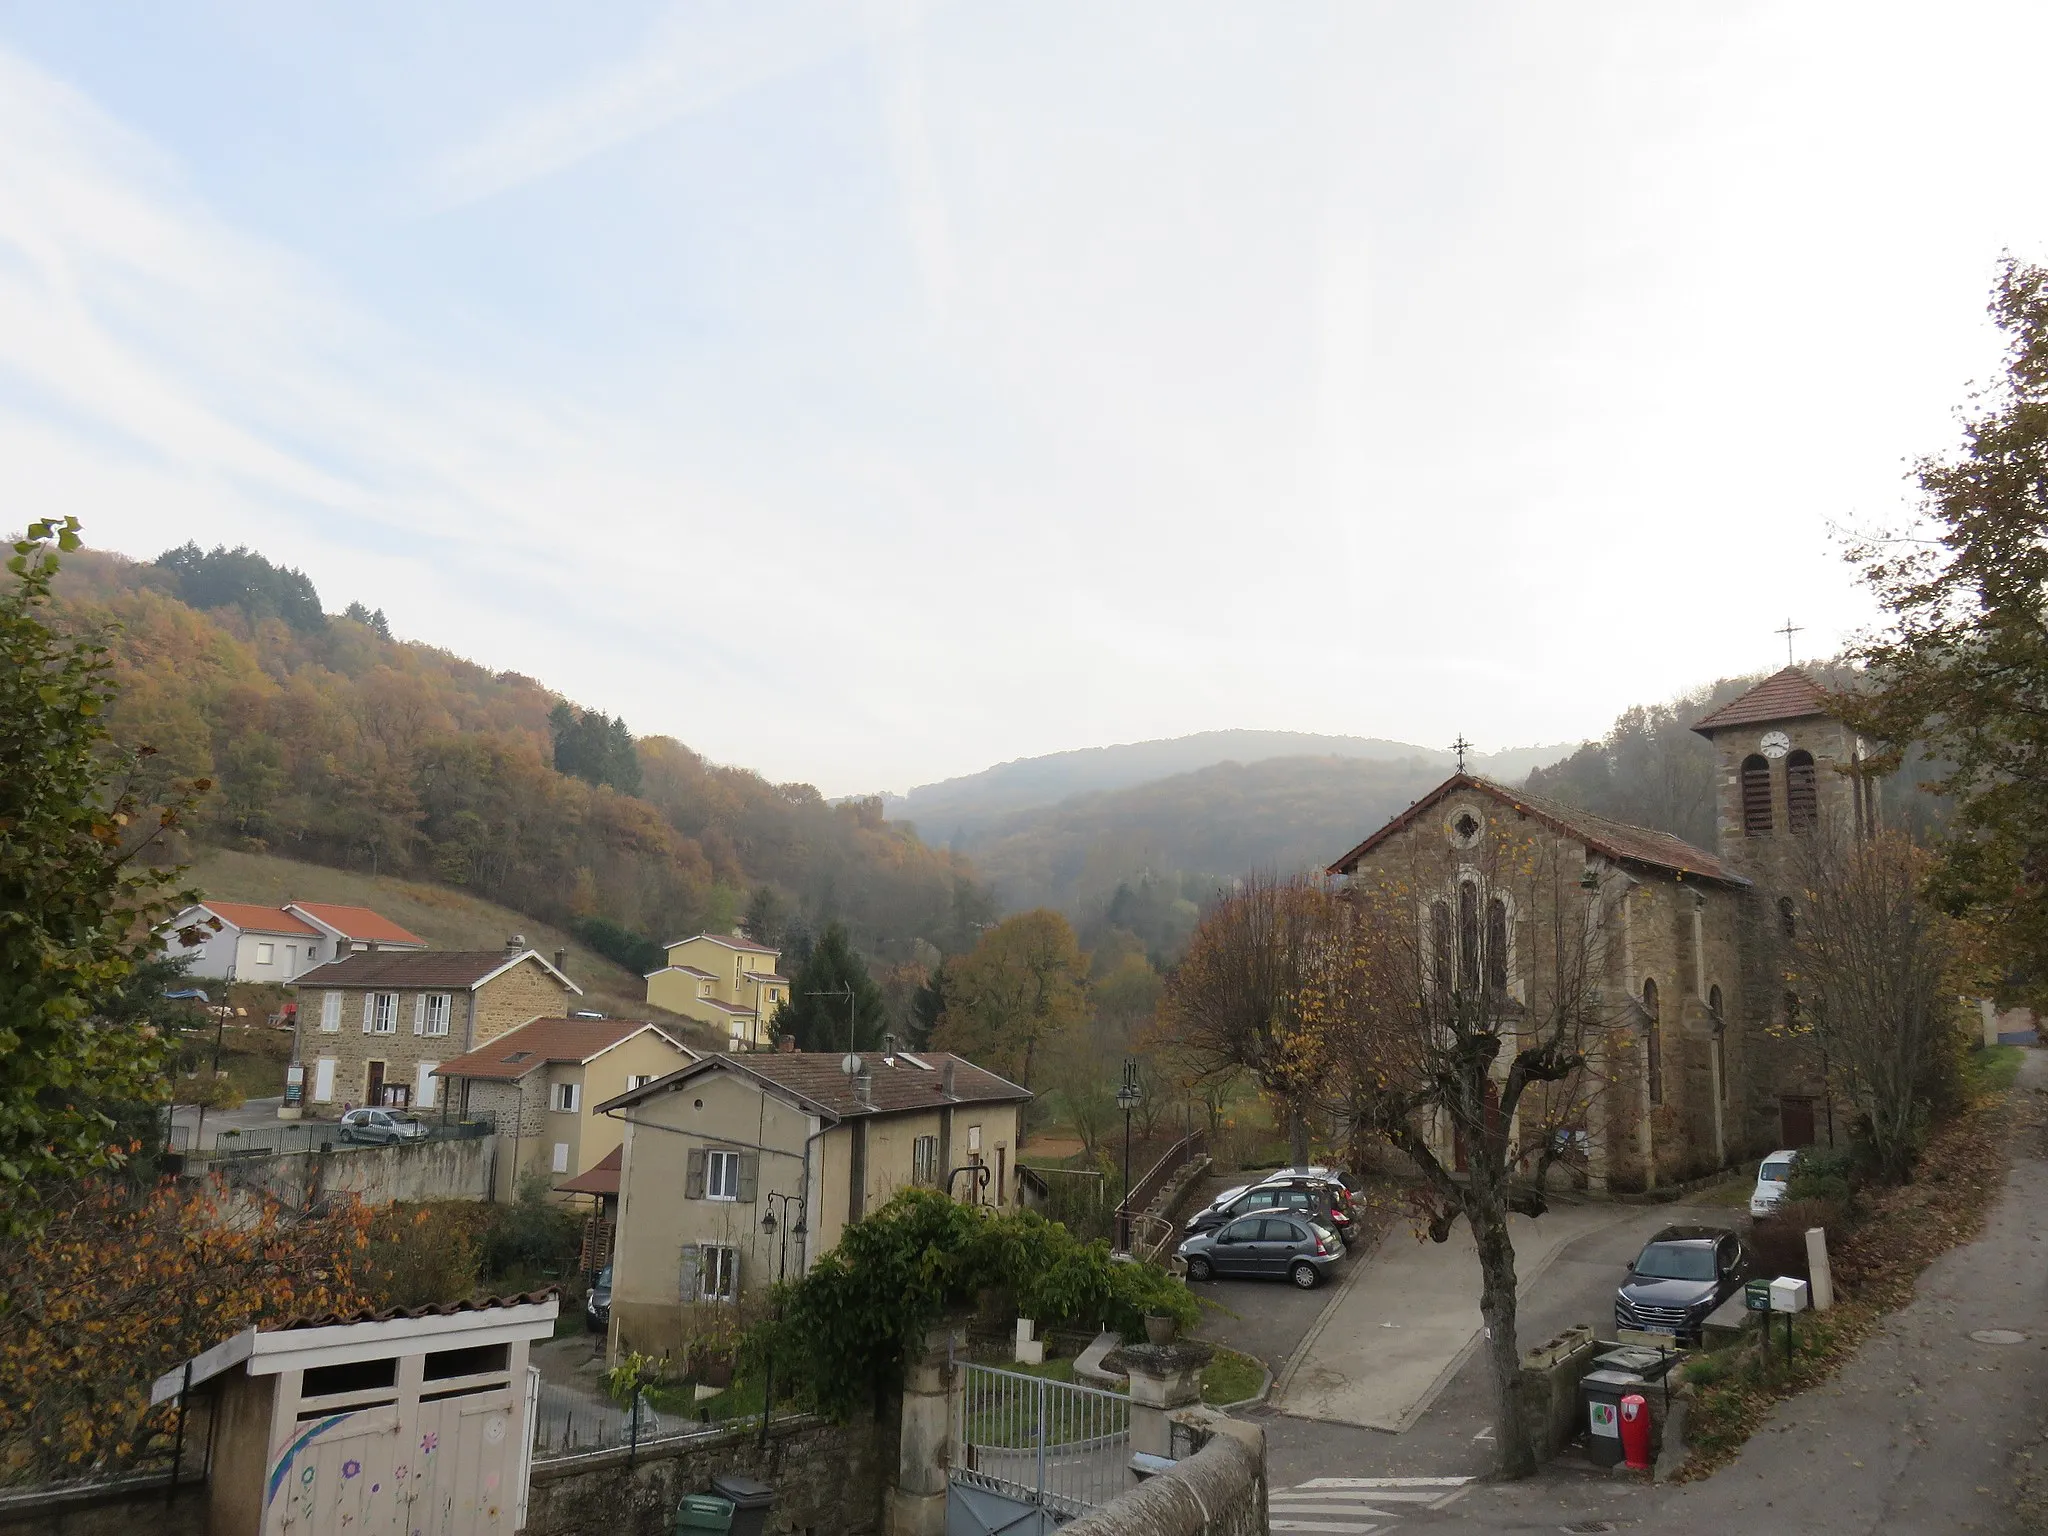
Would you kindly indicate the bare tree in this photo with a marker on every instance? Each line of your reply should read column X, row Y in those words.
column 1873, row 968
column 1234, row 1002
column 1460, row 1018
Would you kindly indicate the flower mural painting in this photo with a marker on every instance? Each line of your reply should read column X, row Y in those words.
column 428, row 1441
column 351, row 1469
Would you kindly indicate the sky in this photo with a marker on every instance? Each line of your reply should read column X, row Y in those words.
column 868, row 393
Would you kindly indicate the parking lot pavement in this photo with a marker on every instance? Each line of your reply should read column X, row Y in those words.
column 1265, row 1318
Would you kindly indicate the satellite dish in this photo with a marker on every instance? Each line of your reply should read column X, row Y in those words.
column 850, row 1065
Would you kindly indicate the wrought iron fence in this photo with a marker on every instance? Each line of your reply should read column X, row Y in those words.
column 1058, row 1446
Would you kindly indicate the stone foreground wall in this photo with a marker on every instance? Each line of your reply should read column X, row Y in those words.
column 1218, row 1491
column 827, row 1480
column 118, row 1507
column 427, row 1170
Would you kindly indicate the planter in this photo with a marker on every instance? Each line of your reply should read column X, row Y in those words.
column 1160, row 1330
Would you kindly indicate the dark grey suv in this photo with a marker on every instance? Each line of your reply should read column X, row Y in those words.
column 1276, row 1245
column 1680, row 1277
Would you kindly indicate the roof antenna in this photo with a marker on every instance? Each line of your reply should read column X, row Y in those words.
column 1788, row 632
column 1461, row 746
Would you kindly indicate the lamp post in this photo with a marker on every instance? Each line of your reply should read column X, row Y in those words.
column 769, row 1225
column 1127, row 1100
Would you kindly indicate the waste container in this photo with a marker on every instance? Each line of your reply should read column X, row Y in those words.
column 702, row 1512
column 1601, row 1392
column 751, row 1500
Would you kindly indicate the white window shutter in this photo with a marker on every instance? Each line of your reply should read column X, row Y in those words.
column 419, row 1013
column 369, row 1009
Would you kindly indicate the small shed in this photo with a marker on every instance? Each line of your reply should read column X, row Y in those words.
column 418, row 1423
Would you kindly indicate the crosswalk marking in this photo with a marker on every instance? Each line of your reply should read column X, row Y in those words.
column 1357, row 1498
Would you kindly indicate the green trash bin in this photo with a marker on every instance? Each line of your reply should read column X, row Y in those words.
column 702, row 1512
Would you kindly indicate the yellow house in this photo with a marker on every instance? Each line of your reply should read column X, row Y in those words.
column 712, row 1149
column 542, row 1083
column 729, row 983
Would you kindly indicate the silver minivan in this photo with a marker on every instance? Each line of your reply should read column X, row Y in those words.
column 1269, row 1244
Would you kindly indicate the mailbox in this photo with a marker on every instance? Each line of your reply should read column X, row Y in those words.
column 1756, row 1296
column 1789, row 1295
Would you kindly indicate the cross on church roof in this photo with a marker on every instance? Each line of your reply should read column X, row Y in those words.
column 1788, row 632
column 1461, row 746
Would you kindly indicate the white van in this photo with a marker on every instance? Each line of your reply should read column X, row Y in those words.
column 1771, row 1179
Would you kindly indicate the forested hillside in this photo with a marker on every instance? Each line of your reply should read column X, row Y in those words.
column 331, row 742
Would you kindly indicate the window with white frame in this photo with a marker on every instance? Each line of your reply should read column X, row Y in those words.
column 722, row 1176
column 380, row 1013
column 430, row 1013
column 924, row 1160
column 719, row 1269
column 330, row 1012
column 265, row 953
column 567, row 1096
column 639, row 1080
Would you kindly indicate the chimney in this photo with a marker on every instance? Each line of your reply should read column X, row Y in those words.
column 371, row 947
column 864, row 1089
column 562, row 961
column 888, row 1044
column 946, row 1077
column 515, row 945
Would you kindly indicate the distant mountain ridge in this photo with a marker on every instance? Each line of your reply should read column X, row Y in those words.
column 967, row 809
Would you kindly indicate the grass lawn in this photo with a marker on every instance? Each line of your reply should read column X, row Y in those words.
column 1993, row 1067
column 1732, row 1191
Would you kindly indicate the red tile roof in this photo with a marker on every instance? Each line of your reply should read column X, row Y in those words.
column 358, row 923
column 600, row 1179
column 1600, row 834
column 899, row 1084
column 1786, row 695
column 431, row 1309
column 541, row 1041
column 420, row 968
column 252, row 917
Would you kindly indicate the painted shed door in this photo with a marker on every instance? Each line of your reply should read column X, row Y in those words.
column 466, row 1464
column 342, row 1474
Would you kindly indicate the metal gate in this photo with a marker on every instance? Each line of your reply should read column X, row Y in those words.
column 1028, row 1454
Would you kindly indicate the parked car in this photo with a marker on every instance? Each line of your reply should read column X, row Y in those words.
column 1680, row 1277
column 1335, row 1176
column 1771, row 1180
column 597, row 1306
column 1326, row 1203
column 1292, row 1245
column 380, row 1125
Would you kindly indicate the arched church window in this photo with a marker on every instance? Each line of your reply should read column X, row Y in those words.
column 1653, row 1042
column 1468, row 937
column 1440, row 945
column 1497, row 947
column 1756, row 796
column 1802, row 792
column 1720, row 1048
column 1788, row 920
column 1791, row 1007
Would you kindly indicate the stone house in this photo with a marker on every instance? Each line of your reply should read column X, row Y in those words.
column 374, row 1027
column 542, row 1082
column 725, row 981
column 1690, row 945
column 713, row 1149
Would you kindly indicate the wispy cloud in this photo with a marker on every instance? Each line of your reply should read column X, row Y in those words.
column 696, row 57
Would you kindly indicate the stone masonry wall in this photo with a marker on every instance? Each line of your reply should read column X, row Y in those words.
column 827, row 1480
column 432, row 1170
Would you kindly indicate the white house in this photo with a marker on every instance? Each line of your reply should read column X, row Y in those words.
column 259, row 943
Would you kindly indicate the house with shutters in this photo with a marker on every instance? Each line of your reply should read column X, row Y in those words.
column 374, row 1026
column 725, row 981
column 542, row 1082
column 710, row 1150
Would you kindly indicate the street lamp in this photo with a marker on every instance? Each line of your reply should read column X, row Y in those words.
column 769, row 1226
column 1127, row 1100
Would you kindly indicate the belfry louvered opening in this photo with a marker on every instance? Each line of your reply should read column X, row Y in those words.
column 1802, row 792
column 1756, row 796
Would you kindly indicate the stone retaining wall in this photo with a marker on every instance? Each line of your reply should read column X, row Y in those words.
column 1218, row 1491
column 116, row 1507
column 427, row 1170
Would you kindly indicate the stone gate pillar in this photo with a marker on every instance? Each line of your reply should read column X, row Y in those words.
column 916, row 1503
column 1164, row 1378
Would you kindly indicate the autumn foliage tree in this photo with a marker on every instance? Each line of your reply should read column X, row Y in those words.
column 1239, row 1001
column 118, row 1286
column 1016, row 993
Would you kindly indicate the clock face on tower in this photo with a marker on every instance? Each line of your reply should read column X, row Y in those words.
column 1776, row 744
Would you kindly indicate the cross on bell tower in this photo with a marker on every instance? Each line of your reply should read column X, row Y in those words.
column 1788, row 631
column 1461, row 746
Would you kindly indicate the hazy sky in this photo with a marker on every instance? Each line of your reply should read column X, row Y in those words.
column 866, row 394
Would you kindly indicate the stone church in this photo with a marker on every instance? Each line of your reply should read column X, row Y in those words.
column 1693, row 948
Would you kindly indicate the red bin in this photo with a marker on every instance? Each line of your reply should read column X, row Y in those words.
column 1635, row 1431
